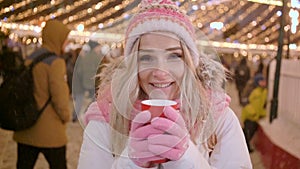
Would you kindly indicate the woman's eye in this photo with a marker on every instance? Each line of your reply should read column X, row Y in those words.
column 175, row 56
column 145, row 58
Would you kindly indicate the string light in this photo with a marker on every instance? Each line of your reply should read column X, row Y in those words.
column 203, row 14
column 268, row 2
column 294, row 14
column 80, row 27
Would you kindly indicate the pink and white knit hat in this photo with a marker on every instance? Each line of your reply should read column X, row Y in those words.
column 165, row 16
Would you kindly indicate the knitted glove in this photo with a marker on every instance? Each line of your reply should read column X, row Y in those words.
column 140, row 130
column 173, row 141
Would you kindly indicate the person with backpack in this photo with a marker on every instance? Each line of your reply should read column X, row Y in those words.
column 255, row 109
column 162, row 61
column 242, row 75
column 48, row 135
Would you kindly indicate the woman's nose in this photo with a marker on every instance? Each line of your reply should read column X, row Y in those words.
column 159, row 73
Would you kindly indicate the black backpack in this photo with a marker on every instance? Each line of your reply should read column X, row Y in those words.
column 18, row 107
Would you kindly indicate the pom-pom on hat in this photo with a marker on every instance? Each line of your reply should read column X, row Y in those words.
column 161, row 16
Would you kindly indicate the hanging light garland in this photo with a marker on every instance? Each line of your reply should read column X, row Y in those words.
column 268, row 2
column 112, row 20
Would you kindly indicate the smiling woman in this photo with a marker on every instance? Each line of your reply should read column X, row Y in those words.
column 161, row 61
column 156, row 65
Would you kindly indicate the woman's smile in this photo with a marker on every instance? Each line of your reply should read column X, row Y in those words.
column 161, row 85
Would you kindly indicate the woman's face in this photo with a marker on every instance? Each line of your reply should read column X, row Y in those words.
column 160, row 65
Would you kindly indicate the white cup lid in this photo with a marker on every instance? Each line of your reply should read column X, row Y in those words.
column 159, row 102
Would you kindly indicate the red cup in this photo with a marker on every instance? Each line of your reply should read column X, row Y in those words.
column 156, row 107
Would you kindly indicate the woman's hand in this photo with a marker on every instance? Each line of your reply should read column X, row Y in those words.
column 141, row 129
column 172, row 142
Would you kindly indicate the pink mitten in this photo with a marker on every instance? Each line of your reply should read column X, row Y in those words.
column 173, row 142
column 138, row 140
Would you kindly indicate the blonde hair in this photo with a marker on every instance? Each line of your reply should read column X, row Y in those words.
column 193, row 96
column 105, row 71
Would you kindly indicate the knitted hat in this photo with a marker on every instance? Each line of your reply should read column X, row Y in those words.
column 161, row 16
column 257, row 78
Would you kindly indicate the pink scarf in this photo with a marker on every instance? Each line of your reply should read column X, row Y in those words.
column 99, row 110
